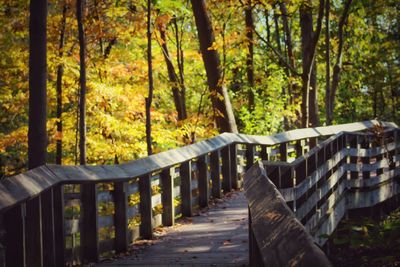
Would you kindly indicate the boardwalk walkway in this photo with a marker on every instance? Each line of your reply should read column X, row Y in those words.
column 216, row 237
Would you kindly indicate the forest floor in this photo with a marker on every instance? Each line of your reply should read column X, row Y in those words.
column 215, row 236
column 367, row 243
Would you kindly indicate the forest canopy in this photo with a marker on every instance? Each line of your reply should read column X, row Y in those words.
column 281, row 65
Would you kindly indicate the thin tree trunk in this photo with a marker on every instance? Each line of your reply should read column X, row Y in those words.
column 289, row 46
column 250, row 52
column 277, row 33
column 60, row 72
column 224, row 117
column 82, row 83
column 327, row 64
column 37, row 134
column 309, row 40
column 149, row 98
column 177, row 88
column 338, row 65
column 268, row 27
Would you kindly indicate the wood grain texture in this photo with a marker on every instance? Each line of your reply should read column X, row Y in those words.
column 216, row 237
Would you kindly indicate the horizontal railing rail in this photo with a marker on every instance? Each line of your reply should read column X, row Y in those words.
column 345, row 172
column 75, row 214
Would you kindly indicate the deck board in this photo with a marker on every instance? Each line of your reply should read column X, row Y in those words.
column 216, row 237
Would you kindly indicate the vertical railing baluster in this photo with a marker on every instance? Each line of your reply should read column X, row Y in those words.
column 365, row 160
column 234, row 170
column 33, row 232
column 203, row 181
column 249, row 156
column 90, row 223
column 121, row 217
column 353, row 143
column 167, row 197
column 264, row 153
column 299, row 147
column 14, row 226
column 313, row 142
column 283, row 151
column 49, row 252
column 146, row 210
column 59, row 235
column 186, row 188
column 215, row 174
column 226, row 169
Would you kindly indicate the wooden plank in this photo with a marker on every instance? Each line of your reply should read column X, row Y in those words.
column 234, row 169
column 186, row 190
column 121, row 216
column 167, row 195
column 215, row 174
column 47, row 213
column 33, row 233
column 203, row 181
column 90, row 223
column 14, row 225
column 146, row 211
column 226, row 169
column 59, row 237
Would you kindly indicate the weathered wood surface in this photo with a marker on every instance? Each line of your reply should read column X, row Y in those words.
column 217, row 237
column 30, row 184
column 281, row 239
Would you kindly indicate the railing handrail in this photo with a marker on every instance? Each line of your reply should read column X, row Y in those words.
column 21, row 187
column 265, row 201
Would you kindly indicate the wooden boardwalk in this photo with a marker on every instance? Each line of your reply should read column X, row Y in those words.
column 216, row 237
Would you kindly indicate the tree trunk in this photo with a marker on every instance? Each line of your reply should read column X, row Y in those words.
column 149, row 98
column 309, row 40
column 223, row 112
column 338, row 65
column 37, row 134
column 178, row 89
column 327, row 64
column 250, row 52
column 60, row 72
column 82, row 83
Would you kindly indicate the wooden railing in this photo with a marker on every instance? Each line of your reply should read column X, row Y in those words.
column 345, row 172
column 63, row 215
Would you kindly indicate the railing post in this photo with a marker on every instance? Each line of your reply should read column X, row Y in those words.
column 234, row 171
column 313, row 142
column 249, row 156
column 49, row 252
column 299, row 147
column 365, row 160
column 283, row 151
column 167, row 197
column 33, row 232
column 226, row 169
column 120, row 217
column 14, row 226
column 264, row 153
column 146, row 210
column 90, row 223
column 59, row 235
column 353, row 143
column 215, row 174
column 203, row 181
column 186, row 188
